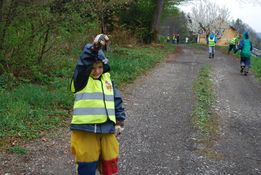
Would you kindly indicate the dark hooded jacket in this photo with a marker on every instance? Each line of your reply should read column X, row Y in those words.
column 84, row 66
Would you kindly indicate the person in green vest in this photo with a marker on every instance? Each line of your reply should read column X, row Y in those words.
column 211, row 45
column 168, row 39
column 98, row 116
column 174, row 38
column 232, row 44
column 245, row 47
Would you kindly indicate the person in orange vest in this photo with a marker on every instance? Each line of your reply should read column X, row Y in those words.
column 98, row 116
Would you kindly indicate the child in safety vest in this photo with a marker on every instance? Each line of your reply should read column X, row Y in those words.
column 98, row 115
column 232, row 44
column 211, row 40
column 168, row 39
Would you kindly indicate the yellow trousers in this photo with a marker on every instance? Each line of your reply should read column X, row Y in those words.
column 92, row 150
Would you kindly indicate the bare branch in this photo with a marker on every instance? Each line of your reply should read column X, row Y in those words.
column 208, row 17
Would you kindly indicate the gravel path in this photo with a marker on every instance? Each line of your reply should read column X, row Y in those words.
column 159, row 138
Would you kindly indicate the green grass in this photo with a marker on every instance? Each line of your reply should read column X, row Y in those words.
column 204, row 118
column 29, row 109
column 17, row 150
column 128, row 63
column 202, row 88
column 256, row 66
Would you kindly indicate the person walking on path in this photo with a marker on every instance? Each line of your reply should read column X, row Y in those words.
column 246, row 48
column 177, row 37
column 232, row 44
column 98, row 115
column 211, row 40
column 168, row 38
column 186, row 40
column 174, row 39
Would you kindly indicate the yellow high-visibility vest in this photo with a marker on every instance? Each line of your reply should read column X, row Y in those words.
column 211, row 42
column 233, row 41
column 94, row 104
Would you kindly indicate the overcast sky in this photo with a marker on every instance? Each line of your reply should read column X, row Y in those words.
column 249, row 13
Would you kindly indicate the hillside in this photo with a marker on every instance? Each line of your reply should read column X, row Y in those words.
column 259, row 35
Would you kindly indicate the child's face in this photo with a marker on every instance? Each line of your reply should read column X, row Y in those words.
column 97, row 70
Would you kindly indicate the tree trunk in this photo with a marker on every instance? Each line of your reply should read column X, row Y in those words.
column 44, row 45
column 156, row 20
column 10, row 15
column 1, row 10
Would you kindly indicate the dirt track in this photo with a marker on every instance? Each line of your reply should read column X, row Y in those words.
column 159, row 138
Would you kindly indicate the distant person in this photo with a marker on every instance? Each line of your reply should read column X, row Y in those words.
column 98, row 116
column 173, row 39
column 245, row 47
column 177, row 38
column 168, row 39
column 211, row 45
column 233, row 44
column 186, row 40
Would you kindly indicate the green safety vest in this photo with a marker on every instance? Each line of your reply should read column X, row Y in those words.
column 233, row 41
column 95, row 103
column 211, row 42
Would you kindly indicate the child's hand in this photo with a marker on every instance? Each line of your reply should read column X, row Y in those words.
column 119, row 127
column 118, row 130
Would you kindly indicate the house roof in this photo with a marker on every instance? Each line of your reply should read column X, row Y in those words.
column 233, row 28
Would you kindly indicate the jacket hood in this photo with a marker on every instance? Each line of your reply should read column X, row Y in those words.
column 246, row 35
column 211, row 36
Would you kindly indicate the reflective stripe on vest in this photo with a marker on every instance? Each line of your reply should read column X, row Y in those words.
column 211, row 42
column 95, row 103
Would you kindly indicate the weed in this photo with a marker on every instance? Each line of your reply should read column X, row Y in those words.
column 17, row 150
column 204, row 118
column 203, row 90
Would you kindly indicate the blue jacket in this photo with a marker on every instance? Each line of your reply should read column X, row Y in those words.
column 84, row 66
column 80, row 79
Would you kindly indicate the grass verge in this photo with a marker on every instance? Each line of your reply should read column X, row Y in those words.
column 204, row 119
column 202, row 87
column 128, row 63
column 29, row 110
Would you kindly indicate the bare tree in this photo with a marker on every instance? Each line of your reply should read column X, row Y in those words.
column 105, row 9
column 208, row 17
